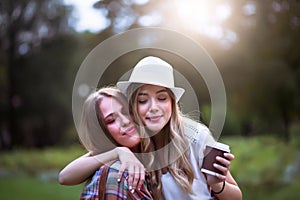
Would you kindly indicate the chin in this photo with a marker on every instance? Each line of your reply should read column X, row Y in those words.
column 134, row 143
column 155, row 129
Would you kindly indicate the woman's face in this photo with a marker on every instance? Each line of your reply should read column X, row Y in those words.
column 118, row 122
column 154, row 106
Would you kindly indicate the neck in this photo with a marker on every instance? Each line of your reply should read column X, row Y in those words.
column 135, row 149
column 159, row 140
column 162, row 158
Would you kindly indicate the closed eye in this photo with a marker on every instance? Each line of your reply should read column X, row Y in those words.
column 162, row 99
column 142, row 101
column 109, row 119
column 142, row 98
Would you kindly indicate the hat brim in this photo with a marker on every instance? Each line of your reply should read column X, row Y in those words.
column 124, row 85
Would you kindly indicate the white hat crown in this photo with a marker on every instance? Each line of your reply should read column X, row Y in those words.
column 155, row 71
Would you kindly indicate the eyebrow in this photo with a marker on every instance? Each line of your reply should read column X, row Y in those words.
column 163, row 90
column 159, row 91
column 142, row 94
column 107, row 116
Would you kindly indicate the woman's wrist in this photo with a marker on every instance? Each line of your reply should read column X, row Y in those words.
column 117, row 153
column 120, row 151
column 218, row 188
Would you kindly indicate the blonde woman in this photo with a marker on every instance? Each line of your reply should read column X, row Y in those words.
column 178, row 142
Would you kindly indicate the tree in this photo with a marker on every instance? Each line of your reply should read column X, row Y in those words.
column 269, row 50
column 26, row 26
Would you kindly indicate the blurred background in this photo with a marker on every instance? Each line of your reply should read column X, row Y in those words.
column 255, row 44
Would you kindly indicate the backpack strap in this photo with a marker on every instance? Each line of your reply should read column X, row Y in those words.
column 102, row 181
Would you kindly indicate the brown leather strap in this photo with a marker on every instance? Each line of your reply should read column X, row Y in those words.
column 102, row 181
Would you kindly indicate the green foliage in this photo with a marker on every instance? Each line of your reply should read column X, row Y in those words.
column 260, row 160
column 260, row 165
column 295, row 135
column 289, row 192
column 34, row 161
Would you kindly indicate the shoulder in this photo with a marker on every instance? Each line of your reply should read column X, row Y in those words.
column 114, row 188
column 115, row 165
column 91, row 188
column 196, row 133
column 195, row 130
column 113, row 170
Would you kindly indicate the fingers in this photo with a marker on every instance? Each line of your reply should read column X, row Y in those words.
column 213, row 179
column 136, row 174
column 136, row 170
column 121, row 171
column 136, row 178
column 223, row 164
column 223, row 161
column 221, row 168
column 229, row 156
column 221, row 177
column 141, row 178
column 130, row 175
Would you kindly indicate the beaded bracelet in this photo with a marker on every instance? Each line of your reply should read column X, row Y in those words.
column 221, row 189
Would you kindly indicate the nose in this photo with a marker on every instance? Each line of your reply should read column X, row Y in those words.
column 125, row 121
column 154, row 106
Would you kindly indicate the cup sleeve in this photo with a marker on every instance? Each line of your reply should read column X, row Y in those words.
column 204, row 139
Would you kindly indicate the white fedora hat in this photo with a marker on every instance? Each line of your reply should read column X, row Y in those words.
column 155, row 71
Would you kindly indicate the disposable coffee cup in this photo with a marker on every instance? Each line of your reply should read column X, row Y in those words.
column 211, row 152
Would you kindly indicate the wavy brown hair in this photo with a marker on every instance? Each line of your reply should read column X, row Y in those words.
column 93, row 132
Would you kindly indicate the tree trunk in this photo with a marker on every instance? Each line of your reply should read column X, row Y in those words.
column 11, row 118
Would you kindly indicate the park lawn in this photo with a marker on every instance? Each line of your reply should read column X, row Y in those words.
column 259, row 168
column 29, row 188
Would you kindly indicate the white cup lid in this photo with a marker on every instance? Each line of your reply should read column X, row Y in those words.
column 221, row 146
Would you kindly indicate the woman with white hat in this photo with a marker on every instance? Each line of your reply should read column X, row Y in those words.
column 177, row 142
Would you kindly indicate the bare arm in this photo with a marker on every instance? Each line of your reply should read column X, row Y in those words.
column 81, row 168
column 231, row 189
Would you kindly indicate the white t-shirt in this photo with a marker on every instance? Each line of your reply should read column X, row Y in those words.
column 198, row 135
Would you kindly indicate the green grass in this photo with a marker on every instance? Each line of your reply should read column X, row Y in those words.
column 258, row 168
column 32, row 161
column 32, row 174
column 24, row 187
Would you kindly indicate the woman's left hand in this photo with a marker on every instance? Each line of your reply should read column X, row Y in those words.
column 223, row 165
column 136, row 170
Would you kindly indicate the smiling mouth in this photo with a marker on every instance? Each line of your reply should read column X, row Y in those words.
column 154, row 118
column 129, row 131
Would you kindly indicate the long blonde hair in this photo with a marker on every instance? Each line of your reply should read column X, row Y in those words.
column 180, row 168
